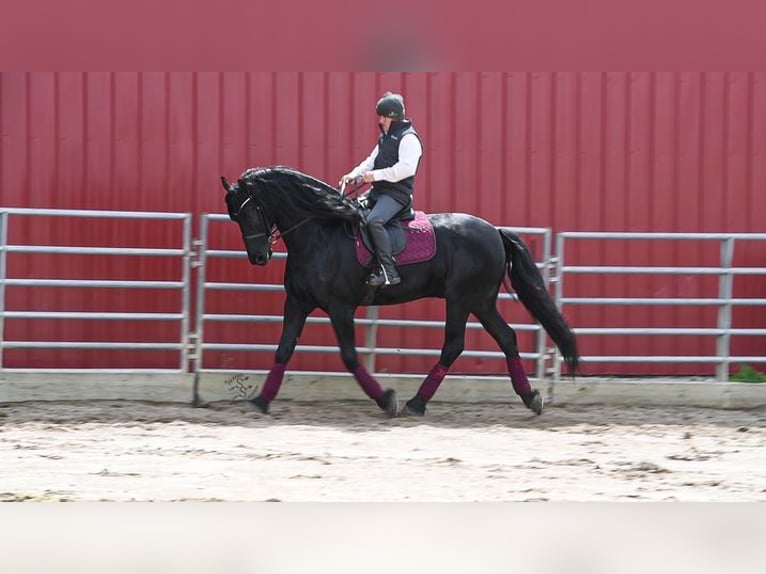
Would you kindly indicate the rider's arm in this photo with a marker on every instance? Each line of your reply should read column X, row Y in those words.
column 410, row 151
column 367, row 164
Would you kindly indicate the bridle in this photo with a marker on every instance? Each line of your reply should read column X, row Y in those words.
column 266, row 224
column 274, row 234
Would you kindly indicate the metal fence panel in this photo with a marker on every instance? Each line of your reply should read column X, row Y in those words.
column 718, row 324
column 711, row 301
column 48, row 285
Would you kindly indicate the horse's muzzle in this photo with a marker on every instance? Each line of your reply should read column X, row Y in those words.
column 260, row 259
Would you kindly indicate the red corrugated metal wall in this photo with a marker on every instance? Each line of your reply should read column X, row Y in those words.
column 622, row 151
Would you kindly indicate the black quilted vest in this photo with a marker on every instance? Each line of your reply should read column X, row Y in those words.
column 388, row 155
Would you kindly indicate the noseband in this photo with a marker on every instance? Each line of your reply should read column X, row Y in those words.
column 266, row 224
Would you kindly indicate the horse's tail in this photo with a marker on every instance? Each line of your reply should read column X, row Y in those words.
column 528, row 283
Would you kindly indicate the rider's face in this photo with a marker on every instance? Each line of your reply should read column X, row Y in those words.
column 385, row 123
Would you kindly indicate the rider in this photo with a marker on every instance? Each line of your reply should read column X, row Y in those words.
column 391, row 169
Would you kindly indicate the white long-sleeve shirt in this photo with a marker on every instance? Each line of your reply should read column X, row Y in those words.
column 410, row 151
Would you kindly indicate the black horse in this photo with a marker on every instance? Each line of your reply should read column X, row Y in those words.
column 470, row 263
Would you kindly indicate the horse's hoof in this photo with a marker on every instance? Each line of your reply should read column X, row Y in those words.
column 407, row 411
column 257, row 405
column 388, row 402
column 415, row 407
column 534, row 401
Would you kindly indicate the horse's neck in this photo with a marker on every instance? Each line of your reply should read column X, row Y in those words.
column 302, row 234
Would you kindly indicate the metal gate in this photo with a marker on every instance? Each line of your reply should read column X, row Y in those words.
column 718, row 296
column 180, row 286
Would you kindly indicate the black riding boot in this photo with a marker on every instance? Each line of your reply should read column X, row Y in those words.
column 387, row 273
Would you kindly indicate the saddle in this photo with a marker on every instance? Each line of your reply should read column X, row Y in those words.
column 412, row 238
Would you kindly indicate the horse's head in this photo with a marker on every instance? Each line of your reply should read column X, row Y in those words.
column 253, row 223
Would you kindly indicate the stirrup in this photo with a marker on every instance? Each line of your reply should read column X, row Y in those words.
column 382, row 279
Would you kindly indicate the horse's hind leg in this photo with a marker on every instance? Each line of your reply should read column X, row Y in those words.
column 454, row 343
column 342, row 319
column 505, row 336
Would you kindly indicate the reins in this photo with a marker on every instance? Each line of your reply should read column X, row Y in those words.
column 276, row 236
column 356, row 184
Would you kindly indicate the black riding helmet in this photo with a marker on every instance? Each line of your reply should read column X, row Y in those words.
column 390, row 106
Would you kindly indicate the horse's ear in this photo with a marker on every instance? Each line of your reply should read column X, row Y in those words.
column 226, row 185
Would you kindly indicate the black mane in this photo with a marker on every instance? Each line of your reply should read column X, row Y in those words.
column 282, row 189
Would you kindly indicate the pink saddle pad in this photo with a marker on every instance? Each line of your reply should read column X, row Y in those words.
column 420, row 242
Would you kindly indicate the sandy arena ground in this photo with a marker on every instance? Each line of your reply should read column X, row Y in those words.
column 348, row 451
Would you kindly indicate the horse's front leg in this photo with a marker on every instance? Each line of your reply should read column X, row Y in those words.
column 292, row 325
column 342, row 319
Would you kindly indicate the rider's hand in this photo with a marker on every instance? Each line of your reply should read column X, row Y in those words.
column 356, row 181
column 346, row 179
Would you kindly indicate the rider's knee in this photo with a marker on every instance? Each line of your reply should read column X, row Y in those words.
column 376, row 222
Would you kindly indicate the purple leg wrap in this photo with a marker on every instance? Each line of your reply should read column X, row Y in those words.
column 518, row 376
column 273, row 382
column 432, row 381
column 369, row 385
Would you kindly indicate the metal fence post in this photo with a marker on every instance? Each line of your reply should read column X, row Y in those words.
column 558, row 281
column 186, row 292
column 371, row 337
column 3, row 250
column 725, row 292
column 542, row 337
column 199, row 322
